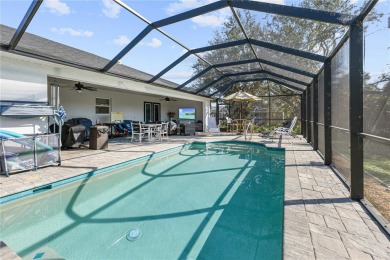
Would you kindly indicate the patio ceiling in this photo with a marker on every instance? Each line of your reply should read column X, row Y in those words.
column 259, row 59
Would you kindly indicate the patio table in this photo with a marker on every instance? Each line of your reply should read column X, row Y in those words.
column 150, row 129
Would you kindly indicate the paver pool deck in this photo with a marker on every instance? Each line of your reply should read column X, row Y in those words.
column 320, row 220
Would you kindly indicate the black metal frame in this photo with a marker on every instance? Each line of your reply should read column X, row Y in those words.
column 250, row 42
column 210, row 84
column 24, row 24
column 297, row 12
column 356, row 48
column 315, row 113
column 270, row 63
column 308, row 115
column 328, row 112
column 303, row 114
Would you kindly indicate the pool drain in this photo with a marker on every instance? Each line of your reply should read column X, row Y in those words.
column 134, row 234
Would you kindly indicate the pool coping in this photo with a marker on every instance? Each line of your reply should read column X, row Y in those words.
column 49, row 186
column 25, row 193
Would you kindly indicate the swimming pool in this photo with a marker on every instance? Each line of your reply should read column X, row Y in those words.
column 203, row 201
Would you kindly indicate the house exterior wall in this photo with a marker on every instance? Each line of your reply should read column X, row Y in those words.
column 19, row 81
column 132, row 105
column 26, row 79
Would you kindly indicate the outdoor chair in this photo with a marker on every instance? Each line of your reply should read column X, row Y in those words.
column 156, row 131
column 232, row 126
column 282, row 130
column 136, row 131
column 164, row 131
column 212, row 125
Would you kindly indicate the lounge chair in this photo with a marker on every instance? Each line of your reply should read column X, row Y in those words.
column 212, row 125
column 286, row 131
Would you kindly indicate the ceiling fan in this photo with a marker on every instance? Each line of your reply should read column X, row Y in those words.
column 167, row 99
column 80, row 88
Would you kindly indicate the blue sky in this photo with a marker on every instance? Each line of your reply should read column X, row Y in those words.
column 104, row 28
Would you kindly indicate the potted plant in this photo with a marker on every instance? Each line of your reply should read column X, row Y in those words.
column 171, row 115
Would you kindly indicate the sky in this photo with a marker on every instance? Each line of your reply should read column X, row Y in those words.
column 104, row 28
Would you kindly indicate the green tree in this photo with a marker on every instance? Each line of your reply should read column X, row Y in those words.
column 307, row 35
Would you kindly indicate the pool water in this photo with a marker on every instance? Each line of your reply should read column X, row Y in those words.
column 203, row 201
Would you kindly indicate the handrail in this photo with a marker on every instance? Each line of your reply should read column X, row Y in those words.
column 249, row 126
column 339, row 128
column 375, row 138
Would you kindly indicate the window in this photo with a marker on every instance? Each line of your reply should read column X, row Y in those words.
column 103, row 106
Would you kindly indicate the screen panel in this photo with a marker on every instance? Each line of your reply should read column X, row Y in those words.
column 153, row 54
column 376, row 92
column 340, row 111
column 203, row 80
column 240, row 68
column 301, row 34
column 376, row 109
column 293, row 84
column 202, row 29
column 73, row 23
column 230, row 54
column 340, row 87
column 341, row 152
column 376, row 176
column 288, row 59
column 184, row 70
column 287, row 73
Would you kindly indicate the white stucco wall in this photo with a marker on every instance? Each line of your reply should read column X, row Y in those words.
column 132, row 105
column 26, row 79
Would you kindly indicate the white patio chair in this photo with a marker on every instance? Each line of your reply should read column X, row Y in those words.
column 136, row 131
column 232, row 126
column 164, row 131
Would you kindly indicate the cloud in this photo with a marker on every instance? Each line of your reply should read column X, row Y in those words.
column 154, row 43
column 111, row 9
column 57, row 7
column 209, row 20
column 122, row 40
column 212, row 19
column 182, row 5
column 185, row 5
column 72, row 32
column 178, row 75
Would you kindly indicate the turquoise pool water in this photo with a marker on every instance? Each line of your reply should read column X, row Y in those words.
column 203, row 201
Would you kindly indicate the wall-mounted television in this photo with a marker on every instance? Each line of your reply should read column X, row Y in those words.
column 187, row 113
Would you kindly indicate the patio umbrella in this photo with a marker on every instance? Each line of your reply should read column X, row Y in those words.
column 241, row 96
